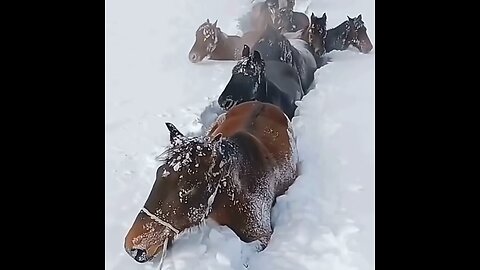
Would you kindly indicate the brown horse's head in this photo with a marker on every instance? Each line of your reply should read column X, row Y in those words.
column 181, row 197
column 357, row 35
column 206, row 39
column 317, row 33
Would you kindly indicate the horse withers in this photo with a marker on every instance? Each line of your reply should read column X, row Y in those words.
column 233, row 175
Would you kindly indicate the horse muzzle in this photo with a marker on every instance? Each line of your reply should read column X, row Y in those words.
column 194, row 57
column 139, row 255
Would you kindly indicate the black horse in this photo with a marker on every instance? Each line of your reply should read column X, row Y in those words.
column 350, row 32
column 295, row 52
column 253, row 78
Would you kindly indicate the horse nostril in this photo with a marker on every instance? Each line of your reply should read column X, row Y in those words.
column 140, row 255
column 193, row 57
column 228, row 104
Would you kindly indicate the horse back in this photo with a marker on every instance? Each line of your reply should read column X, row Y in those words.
column 265, row 123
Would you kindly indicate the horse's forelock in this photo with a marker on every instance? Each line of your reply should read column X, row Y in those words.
column 358, row 23
column 247, row 66
column 185, row 153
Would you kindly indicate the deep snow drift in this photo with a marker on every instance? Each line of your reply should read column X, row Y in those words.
column 326, row 219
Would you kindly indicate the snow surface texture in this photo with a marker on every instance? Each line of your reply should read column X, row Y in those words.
column 326, row 219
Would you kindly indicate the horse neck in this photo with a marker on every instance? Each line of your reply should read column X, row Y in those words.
column 288, row 52
column 336, row 38
column 261, row 94
column 305, row 34
column 247, row 163
column 241, row 180
column 224, row 48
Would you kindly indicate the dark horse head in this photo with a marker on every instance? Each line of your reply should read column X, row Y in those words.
column 357, row 35
column 206, row 39
column 182, row 195
column 247, row 81
column 317, row 33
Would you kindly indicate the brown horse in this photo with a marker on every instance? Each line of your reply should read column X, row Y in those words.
column 232, row 175
column 211, row 41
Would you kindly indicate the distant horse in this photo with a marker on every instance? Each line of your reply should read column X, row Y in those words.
column 296, row 52
column 253, row 78
column 281, row 17
column 233, row 175
column 211, row 41
column 314, row 34
column 350, row 32
column 291, row 21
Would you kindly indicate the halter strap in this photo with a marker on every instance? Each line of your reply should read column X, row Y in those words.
column 157, row 219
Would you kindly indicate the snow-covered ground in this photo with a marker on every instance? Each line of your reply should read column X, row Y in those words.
column 326, row 219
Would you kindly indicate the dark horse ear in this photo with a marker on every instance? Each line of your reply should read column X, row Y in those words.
column 350, row 19
column 174, row 133
column 324, row 16
column 246, row 51
column 359, row 17
column 257, row 57
column 312, row 16
column 215, row 23
column 208, row 21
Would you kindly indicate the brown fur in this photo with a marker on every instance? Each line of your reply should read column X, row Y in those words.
column 254, row 139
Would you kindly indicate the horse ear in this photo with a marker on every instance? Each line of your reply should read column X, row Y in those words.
column 215, row 23
column 324, row 16
column 174, row 133
column 256, row 56
column 312, row 16
column 208, row 21
column 359, row 17
column 246, row 51
column 350, row 19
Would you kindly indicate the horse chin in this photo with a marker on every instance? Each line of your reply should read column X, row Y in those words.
column 365, row 48
column 159, row 251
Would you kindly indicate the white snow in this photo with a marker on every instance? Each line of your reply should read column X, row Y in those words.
column 326, row 219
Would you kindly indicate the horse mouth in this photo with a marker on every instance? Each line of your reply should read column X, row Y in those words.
column 140, row 255
column 195, row 57
column 365, row 47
